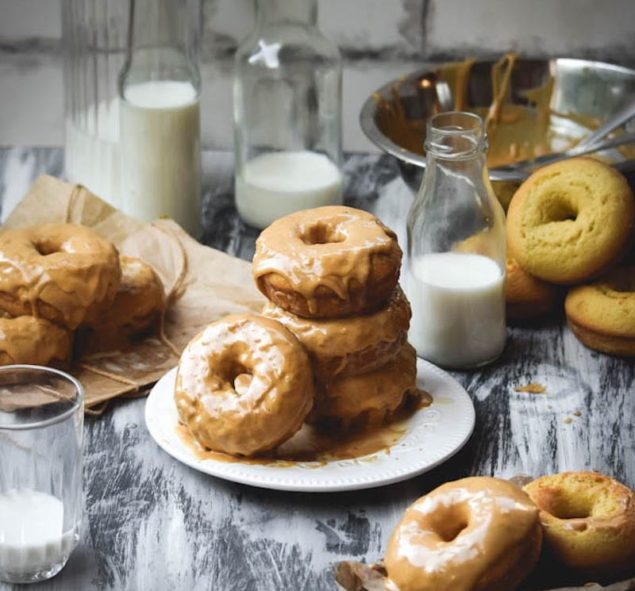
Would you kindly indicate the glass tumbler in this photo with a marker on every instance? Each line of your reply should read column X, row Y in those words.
column 41, row 428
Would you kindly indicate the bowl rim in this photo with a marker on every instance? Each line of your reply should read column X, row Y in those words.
column 377, row 137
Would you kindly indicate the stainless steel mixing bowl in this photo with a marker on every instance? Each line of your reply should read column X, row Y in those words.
column 581, row 88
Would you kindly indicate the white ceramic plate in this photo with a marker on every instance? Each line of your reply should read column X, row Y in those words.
column 434, row 434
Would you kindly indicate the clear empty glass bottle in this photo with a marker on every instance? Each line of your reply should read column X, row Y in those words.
column 287, row 114
column 159, row 90
column 456, row 248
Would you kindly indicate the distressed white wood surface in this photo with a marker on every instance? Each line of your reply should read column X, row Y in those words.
column 151, row 523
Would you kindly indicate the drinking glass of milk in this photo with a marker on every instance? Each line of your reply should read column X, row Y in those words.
column 159, row 131
column 287, row 114
column 41, row 429
column 456, row 249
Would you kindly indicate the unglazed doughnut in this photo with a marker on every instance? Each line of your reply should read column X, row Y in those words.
column 370, row 398
column 137, row 306
column 474, row 534
column 244, row 385
column 327, row 262
column 525, row 295
column 348, row 346
column 588, row 520
column 571, row 220
column 56, row 271
column 34, row 341
column 602, row 314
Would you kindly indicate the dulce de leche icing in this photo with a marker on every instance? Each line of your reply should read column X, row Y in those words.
column 139, row 298
column 337, row 248
column 352, row 345
column 372, row 397
column 57, row 271
column 243, row 385
column 32, row 340
column 457, row 537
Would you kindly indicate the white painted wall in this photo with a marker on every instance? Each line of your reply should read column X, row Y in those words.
column 380, row 39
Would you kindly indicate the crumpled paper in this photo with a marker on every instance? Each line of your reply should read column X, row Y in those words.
column 203, row 284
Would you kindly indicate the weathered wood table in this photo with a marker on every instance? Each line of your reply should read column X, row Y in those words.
column 152, row 523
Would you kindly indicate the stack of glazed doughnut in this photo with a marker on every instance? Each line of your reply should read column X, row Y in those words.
column 330, row 347
column 570, row 224
column 330, row 275
column 483, row 534
column 56, row 279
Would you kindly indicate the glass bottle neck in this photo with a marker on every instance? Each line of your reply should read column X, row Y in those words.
column 289, row 11
column 158, row 24
column 161, row 42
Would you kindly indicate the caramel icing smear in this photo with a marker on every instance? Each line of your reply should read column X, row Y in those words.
column 342, row 336
column 332, row 250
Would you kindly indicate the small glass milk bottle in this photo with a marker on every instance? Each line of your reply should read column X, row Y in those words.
column 287, row 114
column 159, row 89
column 456, row 248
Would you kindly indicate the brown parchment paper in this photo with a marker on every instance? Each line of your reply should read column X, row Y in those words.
column 203, row 284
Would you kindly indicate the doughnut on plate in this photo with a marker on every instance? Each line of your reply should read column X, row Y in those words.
column 432, row 435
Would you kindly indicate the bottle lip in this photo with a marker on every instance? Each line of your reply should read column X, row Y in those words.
column 455, row 135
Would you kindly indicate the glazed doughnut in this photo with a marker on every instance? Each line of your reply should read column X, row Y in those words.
column 588, row 520
column 571, row 220
column 136, row 308
column 56, row 271
column 34, row 341
column 327, row 262
column 349, row 346
column 370, row 398
column 244, row 385
column 526, row 296
column 474, row 534
column 602, row 314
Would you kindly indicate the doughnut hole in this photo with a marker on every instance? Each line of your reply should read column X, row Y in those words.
column 558, row 208
column 448, row 521
column 45, row 247
column 321, row 233
column 232, row 374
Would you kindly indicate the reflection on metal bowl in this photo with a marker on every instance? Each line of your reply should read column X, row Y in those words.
column 578, row 95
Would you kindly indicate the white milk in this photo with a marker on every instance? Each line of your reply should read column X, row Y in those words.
column 160, row 151
column 32, row 536
column 92, row 155
column 458, row 309
column 278, row 183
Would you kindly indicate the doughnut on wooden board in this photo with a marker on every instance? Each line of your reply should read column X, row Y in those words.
column 209, row 283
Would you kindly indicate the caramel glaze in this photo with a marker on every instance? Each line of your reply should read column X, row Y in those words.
column 136, row 308
column 369, row 397
column 332, row 246
column 352, row 345
column 244, row 385
column 57, row 271
column 460, row 536
column 318, row 446
column 33, row 341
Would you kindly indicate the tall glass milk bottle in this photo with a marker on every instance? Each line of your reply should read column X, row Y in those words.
column 287, row 114
column 456, row 248
column 159, row 90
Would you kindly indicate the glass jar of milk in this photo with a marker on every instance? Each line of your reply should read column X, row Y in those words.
column 287, row 114
column 456, row 249
column 159, row 90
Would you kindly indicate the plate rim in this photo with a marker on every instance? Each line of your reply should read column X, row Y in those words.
column 256, row 480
